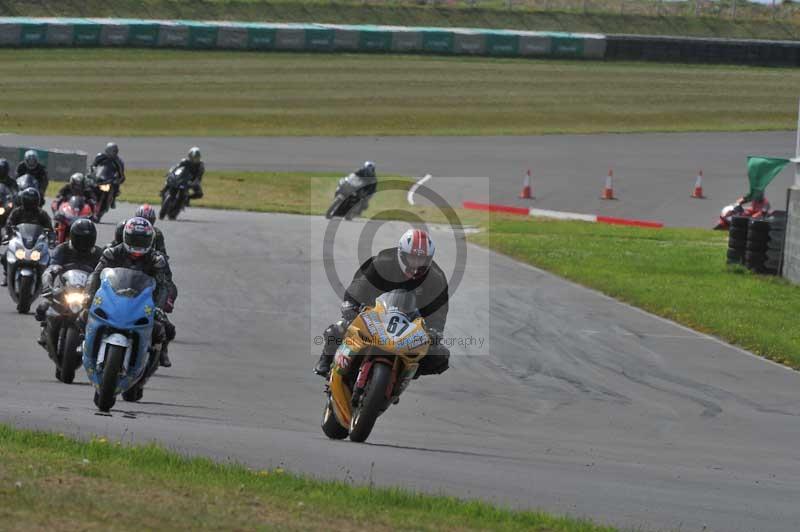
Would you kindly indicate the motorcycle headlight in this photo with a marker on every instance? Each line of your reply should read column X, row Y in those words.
column 105, row 187
column 2, row 211
column 20, row 254
column 75, row 297
column 35, row 255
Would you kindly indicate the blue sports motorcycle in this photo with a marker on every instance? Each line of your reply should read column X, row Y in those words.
column 116, row 350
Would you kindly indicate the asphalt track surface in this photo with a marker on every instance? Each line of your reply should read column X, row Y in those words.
column 654, row 172
column 578, row 404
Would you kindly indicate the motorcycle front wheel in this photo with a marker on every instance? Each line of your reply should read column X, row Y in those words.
column 334, row 208
column 107, row 394
column 70, row 354
column 25, row 298
column 330, row 425
column 166, row 206
column 372, row 404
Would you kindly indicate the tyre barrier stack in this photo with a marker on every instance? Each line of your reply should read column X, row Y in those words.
column 758, row 244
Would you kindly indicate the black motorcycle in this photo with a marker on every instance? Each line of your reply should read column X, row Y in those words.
column 104, row 177
column 63, row 338
column 27, row 256
column 26, row 181
column 350, row 199
column 176, row 196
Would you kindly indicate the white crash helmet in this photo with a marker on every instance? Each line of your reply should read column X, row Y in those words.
column 415, row 253
column 31, row 159
column 194, row 154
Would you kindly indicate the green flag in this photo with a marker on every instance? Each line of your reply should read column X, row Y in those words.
column 761, row 171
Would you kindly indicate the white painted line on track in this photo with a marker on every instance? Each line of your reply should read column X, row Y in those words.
column 414, row 188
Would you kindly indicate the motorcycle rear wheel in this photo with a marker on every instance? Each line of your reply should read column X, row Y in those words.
column 372, row 404
column 25, row 291
column 106, row 395
column 330, row 425
column 70, row 356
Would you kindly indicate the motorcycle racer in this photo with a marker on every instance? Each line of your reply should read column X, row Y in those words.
column 136, row 252
column 408, row 266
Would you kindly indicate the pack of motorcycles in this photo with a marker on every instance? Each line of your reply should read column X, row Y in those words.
column 115, row 345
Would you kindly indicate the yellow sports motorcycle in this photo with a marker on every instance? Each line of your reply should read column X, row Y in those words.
column 378, row 357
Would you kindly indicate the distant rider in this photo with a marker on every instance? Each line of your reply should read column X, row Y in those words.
column 76, row 186
column 111, row 154
column 136, row 253
column 30, row 165
column 147, row 212
column 5, row 176
column 194, row 165
column 28, row 212
column 409, row 266
column 80, row 253
column 370, row 179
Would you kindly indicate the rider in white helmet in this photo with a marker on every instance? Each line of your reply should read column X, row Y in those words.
column 194, row 164
column 408, row 266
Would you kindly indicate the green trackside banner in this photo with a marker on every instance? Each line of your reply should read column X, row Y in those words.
column 761, row 171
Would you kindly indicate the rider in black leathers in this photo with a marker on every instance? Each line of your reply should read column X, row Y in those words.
column 368, row 174
column 193, row 163
column 136, row 253
column 148, row 213
column 386, row 272
column 80, row 253
column 28, row 212
column 111, row 153
column 30, row 165
column 76, row 186
column 5, row 176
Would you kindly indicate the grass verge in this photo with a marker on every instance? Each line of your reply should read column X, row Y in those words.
column 679, row 274
column 186, row 93
column 291, row 193
column 50, row 482
column 648, row 17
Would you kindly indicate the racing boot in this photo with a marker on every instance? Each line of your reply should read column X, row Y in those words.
column 134, row 394
column 323, row 366
column 163, row 359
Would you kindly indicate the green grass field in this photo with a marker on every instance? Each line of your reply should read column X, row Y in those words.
column 228, row 93
column 49, row 482
column 648, row 17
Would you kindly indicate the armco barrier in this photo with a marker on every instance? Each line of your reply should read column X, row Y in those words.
column 19, row 32
column 23, row 32
column 60, row 163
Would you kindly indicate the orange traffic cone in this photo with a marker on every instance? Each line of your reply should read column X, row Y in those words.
column 698, row 186
column 527, row 190
column 608, row 190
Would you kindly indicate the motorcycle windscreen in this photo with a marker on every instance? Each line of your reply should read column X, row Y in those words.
column 402, row 301
column 126, row 282
column 29, row 233
column 180, row 176
column 74, row 279
column 105, row 173
column 76, row 203
column 27, row 181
